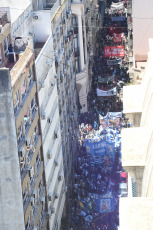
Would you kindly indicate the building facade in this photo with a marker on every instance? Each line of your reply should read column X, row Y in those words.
column 86, row 22
column 137, row 151
column 28, row 137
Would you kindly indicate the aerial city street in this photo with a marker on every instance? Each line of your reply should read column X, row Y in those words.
column 99, row 177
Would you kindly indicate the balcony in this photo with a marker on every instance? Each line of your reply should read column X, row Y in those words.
column 16, row 62
column 37, row 206
column 27, row 95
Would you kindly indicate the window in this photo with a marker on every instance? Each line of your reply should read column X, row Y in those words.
column 22, row 164
column 30, row 76
column 25, row 195
column 23, row 89
column 28, row 224
column 26, row 119
column 0, row 55
column 6, row 46
column 33, row 105
column 16, row 102
column 35, row 134
column 38, row 159
column 19, row 134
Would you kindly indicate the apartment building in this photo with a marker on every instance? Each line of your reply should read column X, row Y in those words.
column 63, row 44
column 136, row 209
column 50, row 124
column 40, row 204
column 52, row 76
column 86, row 23
column 25, row 117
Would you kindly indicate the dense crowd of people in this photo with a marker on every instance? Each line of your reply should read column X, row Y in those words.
column 101, row 179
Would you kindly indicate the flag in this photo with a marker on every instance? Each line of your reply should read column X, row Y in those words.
column 95, row 125
column 81, row 204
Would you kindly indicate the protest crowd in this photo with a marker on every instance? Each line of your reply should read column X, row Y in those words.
column 98, row 170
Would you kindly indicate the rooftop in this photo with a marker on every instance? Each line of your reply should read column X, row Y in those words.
column 16, row 7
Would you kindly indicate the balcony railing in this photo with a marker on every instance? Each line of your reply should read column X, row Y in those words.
column 24, row 100
column 39, row 202
column 33, row 182
column 43, row 219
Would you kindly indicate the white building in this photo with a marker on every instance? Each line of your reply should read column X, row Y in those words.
column 51, row 134
column 85, row 21
column 142, row 28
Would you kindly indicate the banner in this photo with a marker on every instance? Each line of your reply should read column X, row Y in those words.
column 116, row 51
column 114, row 61
column 99, row 150
column 117, row 6
column 114, row 29
column 105, row 79
column 99, row 203
column 118, row 18
column 117, row 40
column 108, row 93
column 121, row 35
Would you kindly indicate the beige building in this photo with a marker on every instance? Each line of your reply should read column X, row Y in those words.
column 28, row 140
column 136, row 210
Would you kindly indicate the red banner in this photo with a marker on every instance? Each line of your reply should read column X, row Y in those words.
column 117, row 40
column 114, row 51
column 118, row 37
column 114, row 29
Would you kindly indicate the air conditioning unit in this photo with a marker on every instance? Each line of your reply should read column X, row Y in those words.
column 21, row 152
column 56, row 162
column 49, row 155
column 34, row 194
column 27, row 141
column 55, row 135
column 43, row 200
column 63, row 21
column 56, row 195
column 36, row 107
column 43, row 117
column 35, row 17
column 62, row 75
column 52, row 84
column 32, row 147
column 60, row 177
column 49, row 64
column 52, row 210
column 65, row 71
column 49, row 213
column 68, row 15
column 49, row 120
column 42, row 84
column 32, row 201
column 65, row 189
column 50, row 196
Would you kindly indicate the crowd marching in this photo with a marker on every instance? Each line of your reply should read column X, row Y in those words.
column 98, row 171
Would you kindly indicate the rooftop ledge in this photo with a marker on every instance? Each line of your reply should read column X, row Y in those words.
column 134, row 146
column 136, row 213
column 133, row 99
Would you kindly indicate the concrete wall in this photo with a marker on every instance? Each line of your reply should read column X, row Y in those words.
column 142, row 27
column 42, row 25
column 136, row 213
column 11, row 206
